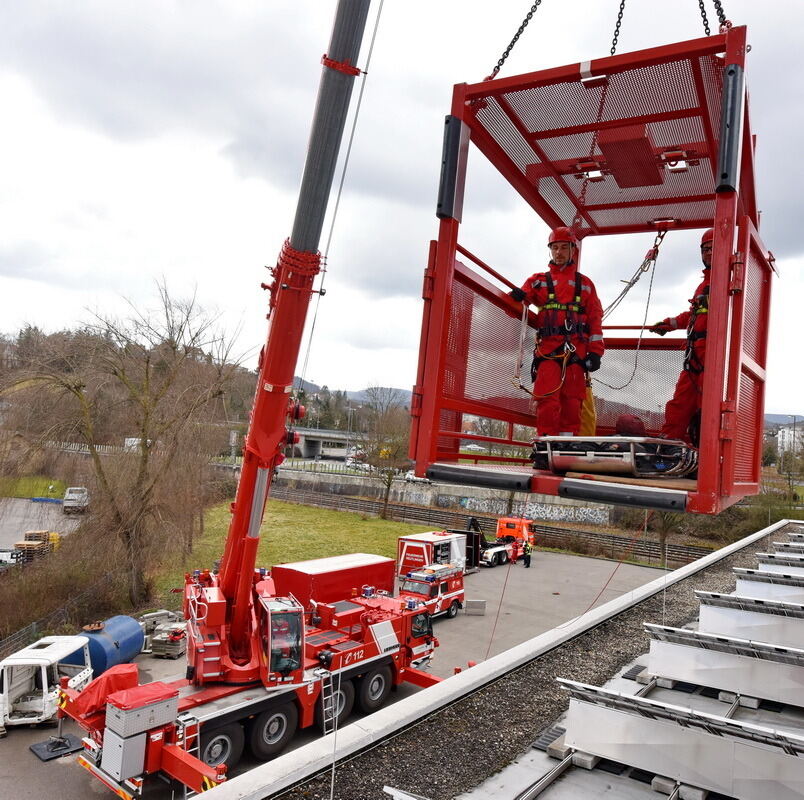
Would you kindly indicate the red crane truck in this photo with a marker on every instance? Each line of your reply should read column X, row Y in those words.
column 259, row 664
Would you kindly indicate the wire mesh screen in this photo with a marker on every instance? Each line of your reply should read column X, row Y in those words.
column 546, row 130
column 482, row 346
column 619, row 388
column 480, row 362
column 748, row 438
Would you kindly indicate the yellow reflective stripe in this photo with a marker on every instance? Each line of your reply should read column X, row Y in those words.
column 207, row 783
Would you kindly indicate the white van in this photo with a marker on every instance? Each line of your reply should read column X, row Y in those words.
column 29, row 679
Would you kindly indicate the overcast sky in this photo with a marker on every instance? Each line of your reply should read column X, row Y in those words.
column 165, row 139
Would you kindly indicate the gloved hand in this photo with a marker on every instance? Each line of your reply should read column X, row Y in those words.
column 661, row 328
column 592, row 362
column 517, row 294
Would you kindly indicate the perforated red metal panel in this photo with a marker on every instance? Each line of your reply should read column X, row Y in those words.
column 541, row 131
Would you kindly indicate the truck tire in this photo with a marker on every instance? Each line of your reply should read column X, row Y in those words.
column 452, row 611
column 503, row 558
column 494, row 560
column 272, row 730
column 344, row 699
column 374, row 688
column 222, row 745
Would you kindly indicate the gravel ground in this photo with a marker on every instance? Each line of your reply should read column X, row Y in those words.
column 461, row 746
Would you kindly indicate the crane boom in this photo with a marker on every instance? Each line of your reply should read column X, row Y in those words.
column 290, row 292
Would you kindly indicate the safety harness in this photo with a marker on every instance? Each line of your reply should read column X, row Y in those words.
column 700, row 305
column 571, row 326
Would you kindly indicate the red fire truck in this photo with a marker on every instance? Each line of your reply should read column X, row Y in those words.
column 438, row 586
column 259, row 664
column 317, row 666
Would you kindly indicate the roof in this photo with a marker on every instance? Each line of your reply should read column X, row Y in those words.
column 48, row 650
column 318, row 566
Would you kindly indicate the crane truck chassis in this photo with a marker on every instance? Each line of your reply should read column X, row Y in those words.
column 318, row 665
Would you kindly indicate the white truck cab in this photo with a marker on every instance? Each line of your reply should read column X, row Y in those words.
column 76, row 500
column 29, row 679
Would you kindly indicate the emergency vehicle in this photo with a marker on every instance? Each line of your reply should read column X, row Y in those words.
column 439, row 587
column 520, row 528
column 420, row 550
column 317, row 667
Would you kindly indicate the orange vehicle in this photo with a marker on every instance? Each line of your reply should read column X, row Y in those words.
column 520, row 528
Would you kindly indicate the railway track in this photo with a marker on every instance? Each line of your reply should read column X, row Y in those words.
column 593, row 542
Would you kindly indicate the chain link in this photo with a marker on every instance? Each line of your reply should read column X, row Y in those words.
column 617, row 28
column 707, row 29
column 721, row 14
column 513, row 41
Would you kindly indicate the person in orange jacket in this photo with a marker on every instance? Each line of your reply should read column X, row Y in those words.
column 569, row 336
column 686, row 401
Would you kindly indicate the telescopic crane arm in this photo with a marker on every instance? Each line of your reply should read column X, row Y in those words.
column 290, row 292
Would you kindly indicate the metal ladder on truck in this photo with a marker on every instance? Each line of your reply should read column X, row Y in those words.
column 329, row 706
column 190, row 737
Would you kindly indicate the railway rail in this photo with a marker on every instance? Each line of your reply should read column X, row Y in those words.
column 603, row 544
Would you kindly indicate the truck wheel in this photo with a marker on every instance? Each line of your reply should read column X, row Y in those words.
column 223, row 745
column 452, row 611
column 272, row 730
column 343, row 699
column 494, row 560
column 375, row 686
column 503, row 558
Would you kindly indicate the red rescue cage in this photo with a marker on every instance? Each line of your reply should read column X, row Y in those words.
column 653, row 140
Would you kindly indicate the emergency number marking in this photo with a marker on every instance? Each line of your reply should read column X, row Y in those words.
column 355, row 654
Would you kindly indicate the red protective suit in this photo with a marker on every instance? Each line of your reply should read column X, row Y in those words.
column 686, row 400
column 568, row 319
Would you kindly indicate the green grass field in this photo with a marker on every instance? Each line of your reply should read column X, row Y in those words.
column 289, row 533
column 31, row 486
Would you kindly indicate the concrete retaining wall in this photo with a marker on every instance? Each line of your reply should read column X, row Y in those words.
column 450, row 496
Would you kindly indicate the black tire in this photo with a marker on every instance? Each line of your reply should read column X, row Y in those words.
column 503, row 558
column 272, row 730
column 452, row 611
column 222, row 745
column 374, row 688
column 345, row 704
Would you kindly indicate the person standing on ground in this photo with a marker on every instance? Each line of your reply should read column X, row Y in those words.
column 569, row 336
column 526, row 548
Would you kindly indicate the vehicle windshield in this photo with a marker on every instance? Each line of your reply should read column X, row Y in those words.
column 285, row 642
column 415, row 587
column 421, row 626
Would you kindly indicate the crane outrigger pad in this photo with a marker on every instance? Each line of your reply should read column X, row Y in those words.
column 636, row 456
column 640, row 142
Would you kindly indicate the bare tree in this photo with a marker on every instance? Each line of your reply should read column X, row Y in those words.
column 155, row 378
column 384, row 441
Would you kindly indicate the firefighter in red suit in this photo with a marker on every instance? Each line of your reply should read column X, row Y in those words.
column 686, row 401
column 569, row 336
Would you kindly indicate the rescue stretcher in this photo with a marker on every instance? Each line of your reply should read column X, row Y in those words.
column 637, row 456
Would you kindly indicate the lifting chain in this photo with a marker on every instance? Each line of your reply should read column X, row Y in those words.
column 513, row 41
column 707, row 29
column 721, row 16
column 617, row 27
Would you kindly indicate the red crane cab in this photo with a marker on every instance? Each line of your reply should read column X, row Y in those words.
column 649, row 141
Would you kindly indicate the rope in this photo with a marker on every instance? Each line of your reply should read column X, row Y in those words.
column 499, row 608
column 650, row 259
column 338, row 196
column 639, row 340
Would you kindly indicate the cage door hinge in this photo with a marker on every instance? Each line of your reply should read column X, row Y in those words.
column 416, row 402
column 737, row 282
column 728, row 420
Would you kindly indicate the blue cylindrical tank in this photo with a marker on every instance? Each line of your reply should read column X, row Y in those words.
column 118, row 640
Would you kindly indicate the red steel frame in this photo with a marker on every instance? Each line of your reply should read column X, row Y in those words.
column 733, row 397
